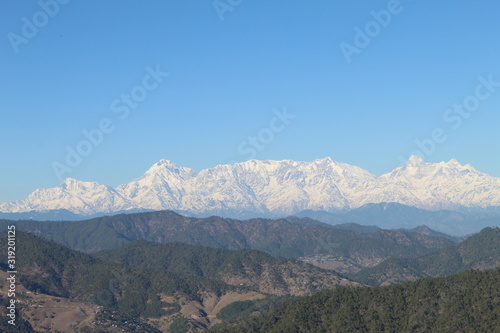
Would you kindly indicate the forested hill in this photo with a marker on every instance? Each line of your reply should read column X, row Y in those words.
column 467, row 302
column 148, row 286
column 252, row 269
column 479, row 251
column 282, row 237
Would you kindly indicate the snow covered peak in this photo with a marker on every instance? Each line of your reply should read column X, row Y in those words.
column 278, row 187
column 160, row 187
column 415, row 160
column 76, row 196
column 165, row 168
column 69, row 181
column 444, row 185
column 325, row 160
column 455, row 165
column 73, row 185
column 166, row 163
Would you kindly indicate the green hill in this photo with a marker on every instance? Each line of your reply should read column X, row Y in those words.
column 253, row 269
column 284, row 238
column 53, row 269
column 144, row 282
column 468, row 302
column 480, row 251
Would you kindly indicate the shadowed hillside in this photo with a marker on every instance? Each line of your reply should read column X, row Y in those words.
column 480, row 251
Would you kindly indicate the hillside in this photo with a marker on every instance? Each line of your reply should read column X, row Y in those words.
column 480, row 251
column 343, row 250
column 149, row 286
column 253, row 269
column 467, row 302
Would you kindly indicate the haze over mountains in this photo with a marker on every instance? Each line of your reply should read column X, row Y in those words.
column 273, row 188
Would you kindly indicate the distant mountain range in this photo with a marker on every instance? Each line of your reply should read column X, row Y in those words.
column 272, row 188
column 395, row 216
column 365, row 219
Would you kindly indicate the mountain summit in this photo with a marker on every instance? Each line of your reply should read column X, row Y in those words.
column 273, row 188
column 415, row 160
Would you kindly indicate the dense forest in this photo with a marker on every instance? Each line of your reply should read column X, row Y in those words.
column 467, row 302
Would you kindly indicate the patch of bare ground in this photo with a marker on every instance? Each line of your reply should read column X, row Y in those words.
column 49, row 313
column 202, row 313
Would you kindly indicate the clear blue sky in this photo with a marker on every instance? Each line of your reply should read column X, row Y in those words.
column 227, row 76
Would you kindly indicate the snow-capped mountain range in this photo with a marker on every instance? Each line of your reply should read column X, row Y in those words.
column 273, row 188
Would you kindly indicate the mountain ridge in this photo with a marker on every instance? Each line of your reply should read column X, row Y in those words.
column 273, row 188
column 291, row 238
column 395, row 216
column 479, row 251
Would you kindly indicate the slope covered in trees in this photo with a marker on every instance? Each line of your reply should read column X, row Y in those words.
column 253, row 269
column 145, row 282
column 52, row 269
column 480, row 251
column 283, row 237
column 467, row 302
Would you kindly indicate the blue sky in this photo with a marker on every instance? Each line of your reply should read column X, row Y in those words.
column 229, row 78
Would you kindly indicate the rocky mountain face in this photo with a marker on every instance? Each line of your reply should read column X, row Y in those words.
column 273, row 188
